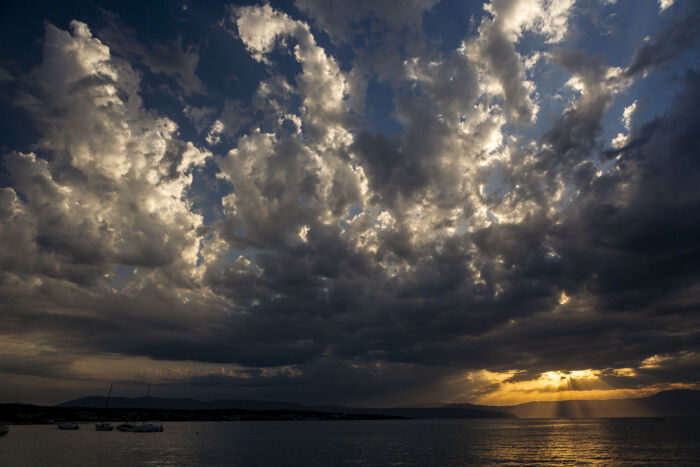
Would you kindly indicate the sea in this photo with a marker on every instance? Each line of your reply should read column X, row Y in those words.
column 609, row 442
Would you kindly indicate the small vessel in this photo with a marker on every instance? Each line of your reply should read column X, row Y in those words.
column 148, row 428
column 67, row 426
column 143, row 427
column 103, row 426
column 3, row 430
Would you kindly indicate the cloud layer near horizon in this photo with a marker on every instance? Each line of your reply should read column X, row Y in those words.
column 463, row 253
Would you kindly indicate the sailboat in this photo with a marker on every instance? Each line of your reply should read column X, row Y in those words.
column 143, row 427
column 67, row 426
column 103, row 426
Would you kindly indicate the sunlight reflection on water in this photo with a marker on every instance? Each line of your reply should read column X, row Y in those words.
column 419, row 442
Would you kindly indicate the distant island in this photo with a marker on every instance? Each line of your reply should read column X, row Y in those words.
column 35, row 414
column 92, row 409
column 673, row 403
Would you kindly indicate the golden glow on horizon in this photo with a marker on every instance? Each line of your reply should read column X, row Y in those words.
column 504, row 388
column 482, row 387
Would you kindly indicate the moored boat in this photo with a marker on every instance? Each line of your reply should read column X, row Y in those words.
column 67, row 426
column 103, row 427
column 148, row 428
column 143, row 427
column 4, row 430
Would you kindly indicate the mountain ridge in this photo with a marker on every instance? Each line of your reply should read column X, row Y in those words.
column 675, row 403
column 245, row 404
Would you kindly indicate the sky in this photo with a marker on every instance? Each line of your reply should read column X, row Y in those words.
column 367, row 203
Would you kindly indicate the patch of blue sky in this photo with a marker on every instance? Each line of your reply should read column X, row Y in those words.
column 379, row 108
column 342, row 53
column 226, row 69
column 496, row 186
column 530, row 42
column 207, row 190
column 613, row 33
column 611, row 36
column 654, row 93
column 122, row 274
column 449, row 22
column 18, row 133
column 353, row 211
column 232, row 254
column 281, row 61
column 553, row 96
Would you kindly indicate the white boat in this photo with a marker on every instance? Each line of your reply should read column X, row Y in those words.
column 67, row 426
column 143, row 427
column 148, row 428
column 3, row 430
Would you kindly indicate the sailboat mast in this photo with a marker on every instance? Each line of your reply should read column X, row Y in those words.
column 145, row 400
column 109, row 394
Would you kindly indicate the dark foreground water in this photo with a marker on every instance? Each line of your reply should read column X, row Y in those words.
column 400, row 442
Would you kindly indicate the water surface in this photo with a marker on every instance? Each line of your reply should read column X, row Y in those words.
column 381, row 442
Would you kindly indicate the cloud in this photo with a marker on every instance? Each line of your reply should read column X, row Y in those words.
column 664, row 4
column 118, row 174
column 200, row 117
column 343, row 20
column 494, row 49
column 674, row 39
column 110, row 192
column 168, row 58
column 466, row 242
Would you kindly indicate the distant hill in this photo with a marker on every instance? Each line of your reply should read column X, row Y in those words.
column 673, row 403
column 24, row 414
column 225, row 404
column 422, row 412
column 180, row 404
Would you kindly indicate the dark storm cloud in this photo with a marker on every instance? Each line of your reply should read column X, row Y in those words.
column 643, row 217
column 674, row 39
column 499, row 55
column 391, row 171
column 352, row 264
column 169, row 58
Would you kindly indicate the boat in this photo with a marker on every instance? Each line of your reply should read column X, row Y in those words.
column 103, row 426
column 4, row 430
column 67, row 426
column 148, row 428
column 143, row 427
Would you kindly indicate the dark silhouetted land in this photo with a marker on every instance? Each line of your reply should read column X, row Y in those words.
column 674, row 403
